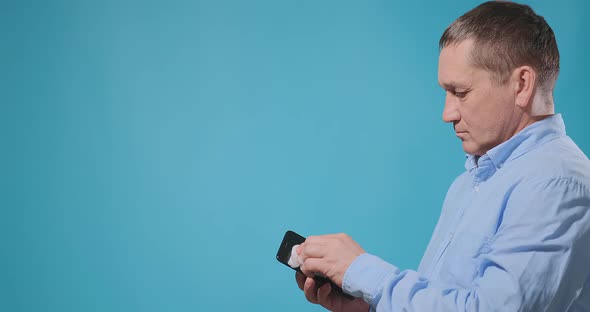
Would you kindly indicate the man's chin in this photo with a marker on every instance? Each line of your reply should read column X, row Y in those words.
column 469, row 148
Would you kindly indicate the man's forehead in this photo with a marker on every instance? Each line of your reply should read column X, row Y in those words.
column 454, row 67
column 455, row 77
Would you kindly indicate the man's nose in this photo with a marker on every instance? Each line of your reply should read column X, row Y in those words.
column 451, row 111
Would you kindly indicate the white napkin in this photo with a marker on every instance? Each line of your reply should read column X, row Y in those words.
column 295, row 261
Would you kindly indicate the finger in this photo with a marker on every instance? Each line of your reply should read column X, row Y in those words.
column 319, row 246
column 310, row 290
column 337, row 235
column 313, row 250
column 321, row 238
column 324, row 293
column 312, row 266
column 300, row 278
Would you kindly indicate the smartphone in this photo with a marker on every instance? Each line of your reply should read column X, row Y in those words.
column 289, row 240
column 284, row 254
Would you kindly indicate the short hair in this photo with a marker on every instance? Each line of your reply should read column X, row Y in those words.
column 507, row 35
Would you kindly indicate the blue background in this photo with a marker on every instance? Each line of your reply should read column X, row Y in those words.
column 154, row 152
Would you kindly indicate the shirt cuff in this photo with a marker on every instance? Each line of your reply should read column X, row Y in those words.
column 365, row 277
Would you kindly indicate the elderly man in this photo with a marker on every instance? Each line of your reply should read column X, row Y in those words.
column 514, row 231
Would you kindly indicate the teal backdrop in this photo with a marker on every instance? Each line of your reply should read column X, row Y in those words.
column 154, row 152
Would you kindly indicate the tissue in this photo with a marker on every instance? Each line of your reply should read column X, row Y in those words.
column 295, row 261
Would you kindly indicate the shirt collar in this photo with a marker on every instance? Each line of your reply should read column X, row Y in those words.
column 518, row 145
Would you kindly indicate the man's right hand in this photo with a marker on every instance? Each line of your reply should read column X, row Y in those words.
column 324, row 296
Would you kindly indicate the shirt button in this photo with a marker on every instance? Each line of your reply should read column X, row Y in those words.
column 476, row 188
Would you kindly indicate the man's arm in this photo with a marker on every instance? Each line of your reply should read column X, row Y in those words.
column 537, row 260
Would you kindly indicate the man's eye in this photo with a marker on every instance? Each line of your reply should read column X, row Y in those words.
column 460, row 94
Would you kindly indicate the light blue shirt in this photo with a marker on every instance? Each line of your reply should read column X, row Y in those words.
column 513, row 235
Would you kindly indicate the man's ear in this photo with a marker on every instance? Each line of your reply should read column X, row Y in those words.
column 524, row 79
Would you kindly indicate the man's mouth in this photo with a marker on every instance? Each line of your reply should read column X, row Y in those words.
column 460, row 134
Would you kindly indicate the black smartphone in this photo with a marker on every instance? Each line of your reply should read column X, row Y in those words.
column 289, row 240
column 284, row 254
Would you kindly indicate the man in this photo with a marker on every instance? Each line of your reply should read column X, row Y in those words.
column 514, row 231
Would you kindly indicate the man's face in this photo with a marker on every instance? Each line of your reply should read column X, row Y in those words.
column 483, row 112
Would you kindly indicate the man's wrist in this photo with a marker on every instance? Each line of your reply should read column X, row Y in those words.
column 365, row 275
